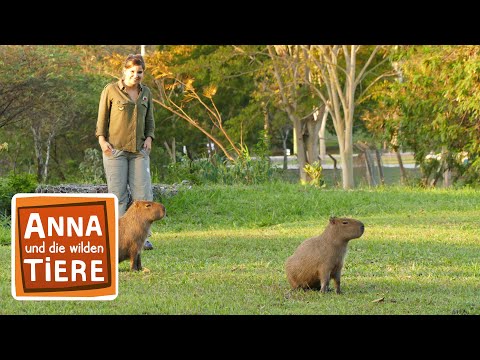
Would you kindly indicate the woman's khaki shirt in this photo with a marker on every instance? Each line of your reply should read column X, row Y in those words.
column 124, row 123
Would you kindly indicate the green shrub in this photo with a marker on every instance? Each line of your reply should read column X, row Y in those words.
column 91, row 167
column 217, row 169
column 14, row 184
column 314, row 171
column 5, row 229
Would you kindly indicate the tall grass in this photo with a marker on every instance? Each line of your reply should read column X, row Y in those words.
column 222, row 249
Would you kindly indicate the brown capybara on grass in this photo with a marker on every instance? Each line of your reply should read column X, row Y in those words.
column 320, row 258
column 133, row 229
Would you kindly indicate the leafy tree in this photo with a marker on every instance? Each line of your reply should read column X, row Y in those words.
column 338, row 72
column 435, row 109
column 59, row 101
column 291, row 76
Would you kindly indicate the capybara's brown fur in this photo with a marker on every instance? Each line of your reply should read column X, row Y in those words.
column 133, row 229
column 320, row 258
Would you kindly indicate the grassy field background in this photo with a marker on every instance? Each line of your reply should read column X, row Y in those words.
column 222, row 249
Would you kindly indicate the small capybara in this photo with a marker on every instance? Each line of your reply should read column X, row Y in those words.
column 320, row 258
column 133, row 229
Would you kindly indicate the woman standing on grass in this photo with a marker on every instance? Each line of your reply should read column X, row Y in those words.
column 125, row 130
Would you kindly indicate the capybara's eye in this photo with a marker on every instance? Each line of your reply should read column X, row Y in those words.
column 148, row 205
column 344, row 222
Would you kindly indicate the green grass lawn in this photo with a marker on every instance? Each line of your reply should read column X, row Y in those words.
column 222, row 249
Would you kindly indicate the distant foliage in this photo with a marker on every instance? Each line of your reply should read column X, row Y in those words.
column 219, row 170
column 91, row 169
column 433, row 107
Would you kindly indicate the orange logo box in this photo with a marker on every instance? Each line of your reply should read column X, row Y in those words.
column 64, row 247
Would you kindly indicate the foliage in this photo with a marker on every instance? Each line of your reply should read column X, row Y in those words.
column 432, row 166
column 434, row 106
column 314, row 172
column 323, row 78
column 232, row 75
column 262, row 147
column 13, row 184
column 218, row 170
column 91, row 167
column 51, row 113
column 5, row 229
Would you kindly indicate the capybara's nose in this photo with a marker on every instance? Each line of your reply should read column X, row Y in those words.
column 362, row 227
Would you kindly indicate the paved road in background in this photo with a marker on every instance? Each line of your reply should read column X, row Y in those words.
column 277, row 161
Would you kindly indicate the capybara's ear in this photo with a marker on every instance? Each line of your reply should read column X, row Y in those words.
column 332, row 220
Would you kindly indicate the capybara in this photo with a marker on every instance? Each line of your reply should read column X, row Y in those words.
column 320, row 258
column 133, row 229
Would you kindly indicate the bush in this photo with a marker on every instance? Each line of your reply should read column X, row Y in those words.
column 218, row 170
column 14, row 184
column 314, row 171
column 91, row 167
column 5, row 230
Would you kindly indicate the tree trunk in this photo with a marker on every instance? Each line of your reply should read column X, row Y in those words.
column 437, row 177
column 446, row 173
column 403, row 173
column 266, row 119
column 47, row 156
column 368, row 174
column 365, row 152
column 346, row 158
column 369, row 163
column 334, row 169
column 321, row 136
column 311, row 140
column 301, row 157
column 447, row 176
column 289, row 105
column 37, row 144
column 313, row 126
column 284, row 144
column 348, row 181
column 171, row 151
column 380, row 166
column 341, row 83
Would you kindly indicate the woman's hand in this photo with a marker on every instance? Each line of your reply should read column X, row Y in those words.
column 147, row 145
column 107, row 148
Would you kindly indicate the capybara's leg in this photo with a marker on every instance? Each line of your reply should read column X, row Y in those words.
column 136, row 263
column 139, row 261
column 336, row 281
column 324, row 281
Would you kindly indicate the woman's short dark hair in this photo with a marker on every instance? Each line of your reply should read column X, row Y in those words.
column 133, row 60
